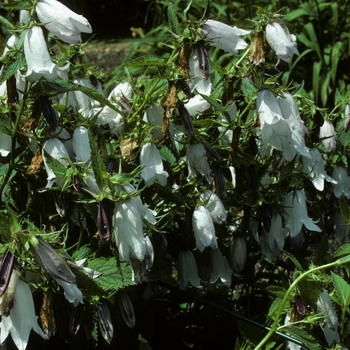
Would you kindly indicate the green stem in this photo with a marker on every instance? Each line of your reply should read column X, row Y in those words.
column 274, row 326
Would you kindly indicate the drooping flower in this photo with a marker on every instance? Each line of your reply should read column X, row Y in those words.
column 152, row 162
column 224, row 37
column 197, row 162
column 81, row 145
column 203, row 228
column 128, row 231
column 281, row 41
column 188, row 271
column 342, row 185
column 238, row 250
column 61, row 21
column 39, row 62
column 315, row 168
column 197, row 104
column 327, row 134
column 296, row 214
column 221, row 268
column 215, row 206
column 22, row 318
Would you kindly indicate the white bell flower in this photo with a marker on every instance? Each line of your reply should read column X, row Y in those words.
column 203, row 228
column 327, row 133
column 238, row 252
column 197, row 163
column 198, row 82
column 71, row 291
column 197, row 104
column 315, row 168
column 296, row 214
column 281, row 41
column 188, row 271
column 22, row 318
column 128, row 230
column 224, row 37
column 342, row 185
column 221, row 268
column 152, row 162
column 61, row 21
column 215, row 206
column 81, row 145
column 39, row 62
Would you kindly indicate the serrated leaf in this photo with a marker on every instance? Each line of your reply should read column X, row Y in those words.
column 173, row 22
column 277, row 291
column 112, row 278
column 98, row 166
column 82, row 253
column 217, row 106
column 343, row 290
column 294, row 260
column 59, row 169
column 300, row 334
column 5, row 124
column 274, row 307
column 343, row 250
column 147, row 60
column 342, row 135
column 167, row 155
column 10, row 69
column 310, row 290
column 249, row 90
column 337, row 97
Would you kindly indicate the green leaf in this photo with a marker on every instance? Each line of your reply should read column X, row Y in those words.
column 217, row 106
column 82, row 253
column 5, row 229
column 300, row 334
column 6, row 23
column 344, row 209
column 5, row 124
column 112, row 278
column 274, row 308
column 343, row 290
column 173, row 22
column 337, row 97
column 292, row 15
column 10, row 69
column 325, row 87
column 343, row 136
column 167, row 155
column 147, row 60
column 310, row 290
column 59, row 169
column 294, row 260
column 336, row 53
column 277, row 291
column 98, row 165
column 343, row 250
column 316, row 79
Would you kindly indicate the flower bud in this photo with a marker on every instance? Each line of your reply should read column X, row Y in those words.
column 126, row 309
column 49, row 113
column 75, row 319
column 104, row 220
column 188, row 272
column 238, row 250
column 105, row 321
column 7, row 297
column 6, row 267
column 186, row 121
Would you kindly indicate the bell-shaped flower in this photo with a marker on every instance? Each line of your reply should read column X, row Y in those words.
column 215, row 206
column 55, row 148
column 203, row 228
column 8, row 293
column 188, row 271
column 327, row 134
column 39, row 62
column 315, row 168
column 330, row 328
column 81, row 145
column 281, row 41
column 152, row 164
column 128, row 231
column 224, row 37
column 5, row 144
column 71, row 292
column 296, row 214
column 196, row 105
column 61, row 21
column 198, row 82
column 22, row 318
column 342, row 185
column 197, row 162
column 221, row 268
column 238, row 252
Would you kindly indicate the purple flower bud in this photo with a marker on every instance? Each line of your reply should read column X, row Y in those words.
column 105, row 321
column 300, row 305
column 212, row 153
column 6, row 266
column 126, row 309
column 49, row 113
column 203, row 59
column 183, row 85
column 75, row 319
column 186, row 121
column 104, row 220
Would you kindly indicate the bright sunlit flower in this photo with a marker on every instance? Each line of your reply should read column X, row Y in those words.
column 296, row 214
column 22, row 318
column 224, row 37
column 61, row 21
column 342, row 185
column 281, row 41
column 203, row 228
column 327, row 134
column 152, row 162
column 215, row 206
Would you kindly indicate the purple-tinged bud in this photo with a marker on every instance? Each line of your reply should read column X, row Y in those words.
column 76, row 183
column 7, row 297
column 212, row 153
column 59, row 204
column 253, row 179
column 51, row 261
column 203, row 59
column 6, row 267
column 300, row 305
column 93, row 81
column 75, row 319
column 220, row 182
column 110, row 165
column 186, row 121
column 126, row 309
column 49, row 113
column 105, row 321
column 126, row 104
column 183, row 85
column 104, row 220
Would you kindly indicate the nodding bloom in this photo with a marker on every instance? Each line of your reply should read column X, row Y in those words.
column 81, row 145
column 296, row 215
column 238, row 252
column 224, row 37
column 188, row 271
column 342, row 185
column 61, row 21
column 39, row 62
column 327, row 133
column 152, row 162
column 197, row 163
column 203, row 228
column 281, row 41
column 22, row 318
column 221, row 268
column 215, row 206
